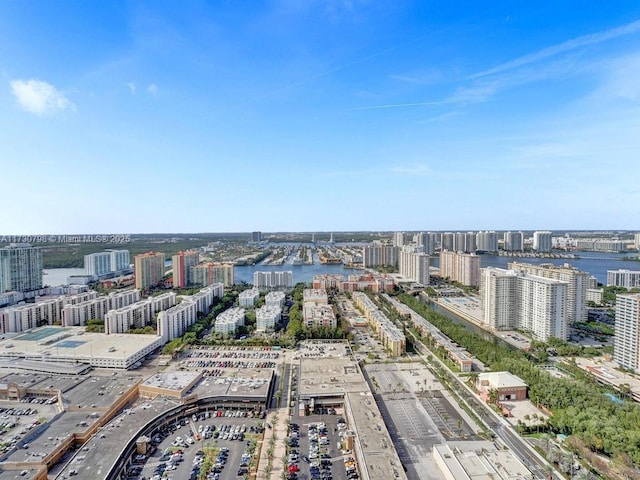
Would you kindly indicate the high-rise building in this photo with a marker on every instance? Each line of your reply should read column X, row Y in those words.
column 414, row 265
column 513, row 242
column 447, row 241
column 210, row 273
column 458, row 267
column 512, row 299
column 148, row 269
column 626, row 343
column 578, row 283
column 542, row 241
column 470, row 242
column 273, row 280
column 623, row 278
column 427, row 241
column 398, row 239
column 256, row 236
column 636, row 241
column 107, row 262
column 20, row 268
column 487, row 241
column 182, row 262
column 459, row 242
column 380, row 255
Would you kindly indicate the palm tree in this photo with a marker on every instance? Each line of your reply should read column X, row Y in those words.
column 473, row 379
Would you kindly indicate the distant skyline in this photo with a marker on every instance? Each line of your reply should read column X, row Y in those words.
column 283, row 115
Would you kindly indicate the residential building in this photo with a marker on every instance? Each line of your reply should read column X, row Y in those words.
column 626, row 342
column 228, row 321
column 273, row 280
column 447, row 241
column 175, row 321
column 317, row 296
column 515, row 300
column 248, row 298
column 31, row 315
column 380, row 256
column 542, row 241
column 498, row 294
column 181, row 264
column 276, row 299
column 636, row 241
column 427, row 241
column 267, row 317
column 578, row 283
column 210, row 273
column 256, row 236
column 623, row 278
column 138, row 314
column 487, row 241
column 602, row 245
column 315, row 315
column 105, row 263
column 390, row 336
column 463, row 268
column 148, row 269
column 328, row 281
column 594, row 295
column 513, row 242
column 414, row 266
column 20, row 268
column 377, row 283
column 398, row 239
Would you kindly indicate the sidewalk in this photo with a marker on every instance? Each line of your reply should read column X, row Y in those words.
column 277, row 433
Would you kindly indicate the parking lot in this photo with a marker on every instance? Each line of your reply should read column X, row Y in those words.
column 181, row 452
column 313, row 449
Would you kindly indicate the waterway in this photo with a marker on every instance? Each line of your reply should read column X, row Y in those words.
column 301, row 273
column 595, row 263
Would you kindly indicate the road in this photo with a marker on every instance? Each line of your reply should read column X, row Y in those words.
column 502, row 429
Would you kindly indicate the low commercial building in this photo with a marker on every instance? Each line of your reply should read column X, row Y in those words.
column 72, row 345
column 509, row 387
column 478, row 461
column 170, row 384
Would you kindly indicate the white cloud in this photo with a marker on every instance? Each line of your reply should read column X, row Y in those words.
column 578, row 42
column 39, row 97
column 414, row 169
column 153, row 89
column 132, row 87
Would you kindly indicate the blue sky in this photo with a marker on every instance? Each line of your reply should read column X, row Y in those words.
column 291, row 115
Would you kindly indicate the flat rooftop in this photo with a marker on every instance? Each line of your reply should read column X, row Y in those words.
column 241, row 383
column 72, row 343
column 176, row 381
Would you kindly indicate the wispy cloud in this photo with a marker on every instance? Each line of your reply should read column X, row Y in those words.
column 153, row 89
column 132, row 87
column 413, row 169
column 39, row 97
column 419, row 78
column 582, row 41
